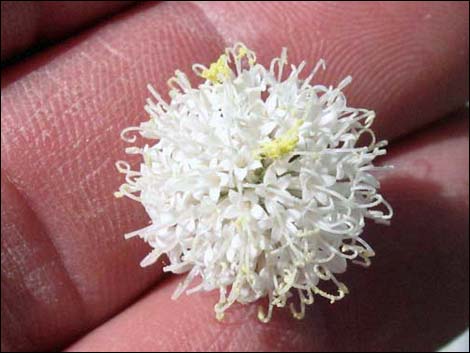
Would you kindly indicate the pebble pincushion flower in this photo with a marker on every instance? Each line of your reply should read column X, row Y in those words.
column 256, row 182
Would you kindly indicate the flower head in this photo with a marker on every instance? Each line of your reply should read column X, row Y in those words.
column 256, row 182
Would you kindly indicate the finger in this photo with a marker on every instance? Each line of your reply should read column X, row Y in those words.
column 45, row 289
column 61, row 116
column 73, row 223
column 26, row 23
column 409, row 62
column 413, row 298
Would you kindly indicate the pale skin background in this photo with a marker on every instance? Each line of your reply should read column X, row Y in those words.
column 68, row 277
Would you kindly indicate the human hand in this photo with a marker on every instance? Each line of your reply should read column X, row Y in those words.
column 66, row 270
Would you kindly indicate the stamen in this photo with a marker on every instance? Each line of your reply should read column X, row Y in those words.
column 281, row 145
column 218, row 71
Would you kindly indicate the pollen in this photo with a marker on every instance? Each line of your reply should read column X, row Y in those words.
column 242, row 52
column 217, row 71
column 283, row 144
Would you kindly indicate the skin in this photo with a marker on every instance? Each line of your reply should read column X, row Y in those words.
column 26, row 24
column 70, row 280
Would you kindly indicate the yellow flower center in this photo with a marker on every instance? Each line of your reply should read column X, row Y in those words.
column 217, row 71
column 283, row 144
column 242, row 52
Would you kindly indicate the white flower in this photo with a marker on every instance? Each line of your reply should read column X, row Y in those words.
column 255, row 182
